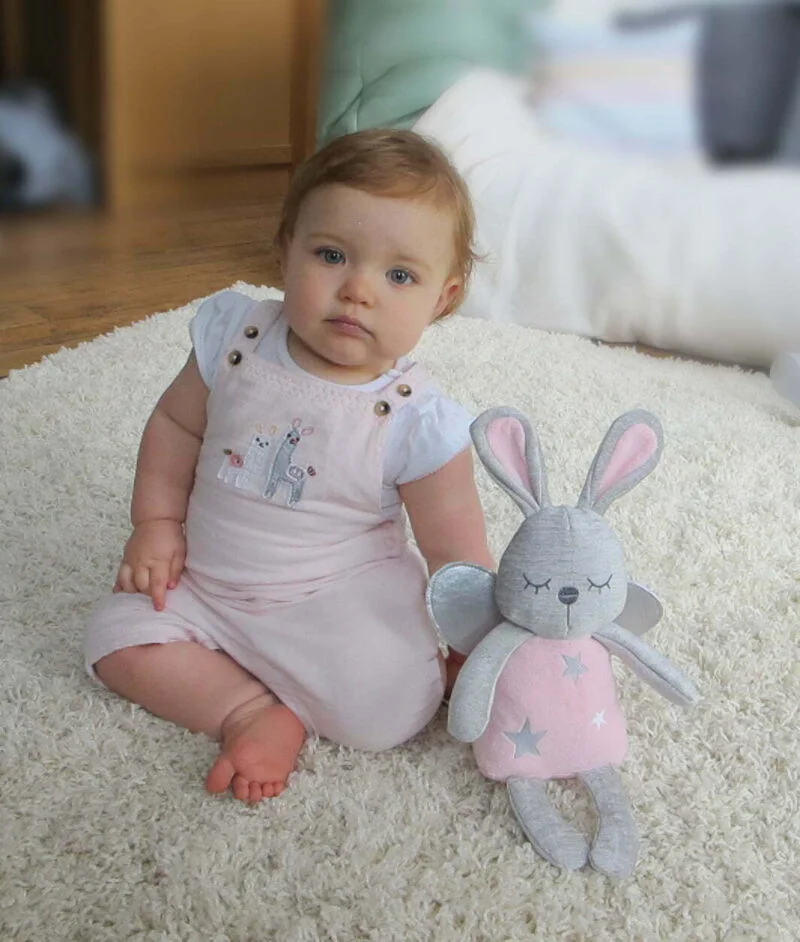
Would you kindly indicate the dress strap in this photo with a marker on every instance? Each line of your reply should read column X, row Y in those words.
column 407, row 387
column 258, row 318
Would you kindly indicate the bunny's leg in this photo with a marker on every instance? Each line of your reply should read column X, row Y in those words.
column 616, row 843
column 554, row 838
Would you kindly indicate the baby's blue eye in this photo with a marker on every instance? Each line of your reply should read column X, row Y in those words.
column 330, row 256
column 400, row 276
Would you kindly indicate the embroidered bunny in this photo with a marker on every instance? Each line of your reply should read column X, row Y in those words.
column 284, row 471
column 536, row 696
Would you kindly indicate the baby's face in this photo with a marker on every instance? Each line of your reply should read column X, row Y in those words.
column 364, row 276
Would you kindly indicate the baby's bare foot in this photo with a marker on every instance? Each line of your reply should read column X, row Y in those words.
column 260, row 744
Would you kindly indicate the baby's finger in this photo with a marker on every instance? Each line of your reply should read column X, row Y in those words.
column 124, row 581
column 175, row 569
column 141, row 579
column 158, row 586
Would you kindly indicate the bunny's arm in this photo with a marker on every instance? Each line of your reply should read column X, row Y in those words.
column 473, row 694
column 663, row 676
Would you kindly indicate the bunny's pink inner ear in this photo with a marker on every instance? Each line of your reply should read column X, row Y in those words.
column 636, row 446
column 506, row 438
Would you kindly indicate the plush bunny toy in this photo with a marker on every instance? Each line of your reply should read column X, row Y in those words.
column 536, row 696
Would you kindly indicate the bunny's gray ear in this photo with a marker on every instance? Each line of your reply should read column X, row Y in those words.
column 629, row 453
column 509, row 449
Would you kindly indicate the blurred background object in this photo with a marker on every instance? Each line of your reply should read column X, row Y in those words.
column 749, row 81
column 48, row 128
column 715, row 80
column 387, row 61
column 41, row 163
column 174, row 102
column 625, row 84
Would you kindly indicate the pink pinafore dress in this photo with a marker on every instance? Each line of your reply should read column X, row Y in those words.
column 292, row 567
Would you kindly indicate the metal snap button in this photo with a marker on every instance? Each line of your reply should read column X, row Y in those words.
column 251, row 332
column 404, row 391
column 234, row 357
column 382, row 408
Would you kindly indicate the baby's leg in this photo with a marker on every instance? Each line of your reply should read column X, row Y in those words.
column 207, row 691
column 169, row 664
column 367, row 655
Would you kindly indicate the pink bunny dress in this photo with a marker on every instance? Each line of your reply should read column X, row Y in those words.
column 555, row 713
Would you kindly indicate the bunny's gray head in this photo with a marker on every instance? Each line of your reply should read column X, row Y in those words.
column 563, row 574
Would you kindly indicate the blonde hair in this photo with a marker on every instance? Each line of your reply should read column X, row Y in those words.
column 394, row 163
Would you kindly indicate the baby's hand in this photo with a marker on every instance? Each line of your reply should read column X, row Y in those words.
column 153, row 560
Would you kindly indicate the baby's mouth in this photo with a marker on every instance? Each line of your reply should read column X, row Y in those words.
column 348, row 325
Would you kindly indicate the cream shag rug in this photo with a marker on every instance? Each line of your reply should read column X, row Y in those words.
column 107, row 833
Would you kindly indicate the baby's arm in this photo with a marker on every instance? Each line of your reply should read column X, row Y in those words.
column 446, row 515
column 155, row 553
column 448, row 523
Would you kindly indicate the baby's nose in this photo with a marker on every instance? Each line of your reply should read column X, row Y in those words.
column 568, row 595
column 357, row 288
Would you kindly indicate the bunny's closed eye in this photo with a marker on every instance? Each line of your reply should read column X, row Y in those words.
column 599, row 585
column 536, row 587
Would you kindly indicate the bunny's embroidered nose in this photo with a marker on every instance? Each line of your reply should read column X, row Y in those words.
column 568, row 595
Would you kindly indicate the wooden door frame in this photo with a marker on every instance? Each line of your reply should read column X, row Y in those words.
column 12, row 52
column 309, row 48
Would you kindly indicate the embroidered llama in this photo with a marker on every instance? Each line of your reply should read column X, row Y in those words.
column 284, row 472
column 248, row 472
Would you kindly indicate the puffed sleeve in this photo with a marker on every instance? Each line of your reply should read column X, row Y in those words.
column 218, row 320
column 426, row 435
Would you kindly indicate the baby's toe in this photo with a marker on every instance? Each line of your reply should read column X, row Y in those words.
column 240, row 788
column 220, row 776
column 256, row 793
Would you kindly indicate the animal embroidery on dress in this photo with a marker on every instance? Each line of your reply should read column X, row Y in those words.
column 249, row 471
column 284, row 472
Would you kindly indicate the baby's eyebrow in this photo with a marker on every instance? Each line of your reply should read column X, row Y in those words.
column 324, row 236
column 413, row 262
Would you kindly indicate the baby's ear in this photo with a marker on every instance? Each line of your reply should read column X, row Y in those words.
column 450, row 298
column 281, row 254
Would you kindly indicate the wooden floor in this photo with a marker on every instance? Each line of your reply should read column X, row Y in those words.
column 65, row 279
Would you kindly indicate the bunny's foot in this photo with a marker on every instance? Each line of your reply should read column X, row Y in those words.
column 552, row 836
column 616, row 845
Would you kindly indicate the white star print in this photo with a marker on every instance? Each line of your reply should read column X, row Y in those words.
column 599, row 719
